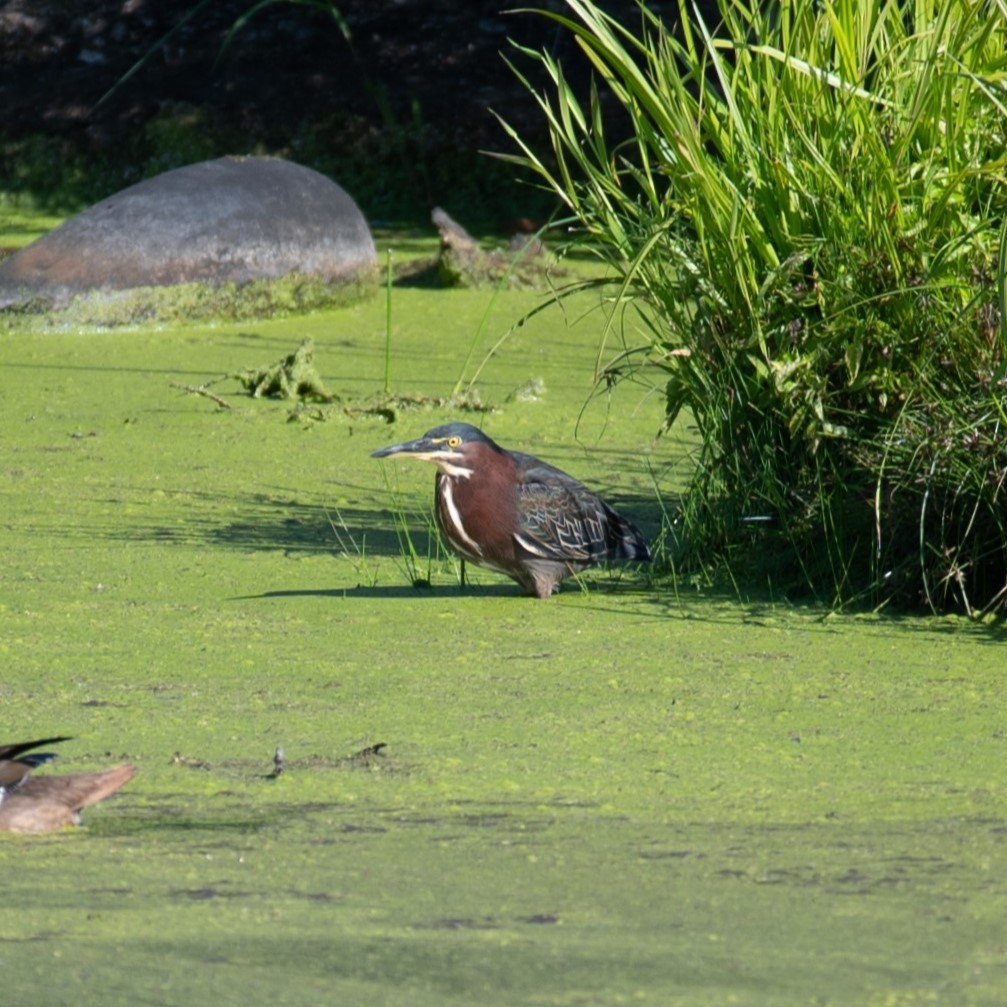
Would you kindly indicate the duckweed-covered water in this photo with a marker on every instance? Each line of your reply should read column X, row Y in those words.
column 624, row 795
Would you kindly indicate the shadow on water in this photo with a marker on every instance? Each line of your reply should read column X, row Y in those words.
column 271, row 520
column 274, row 519
column 247, row 522
column 408, row 592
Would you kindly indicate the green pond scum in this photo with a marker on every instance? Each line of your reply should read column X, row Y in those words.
column 635, row 793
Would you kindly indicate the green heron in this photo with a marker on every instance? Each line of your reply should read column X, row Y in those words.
column 516, row 514
column 15, row 765
column 46, row 803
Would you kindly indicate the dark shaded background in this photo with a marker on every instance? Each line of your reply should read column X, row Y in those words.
column 397, row 114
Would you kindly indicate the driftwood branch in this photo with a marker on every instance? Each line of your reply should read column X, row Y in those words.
column 205, row 392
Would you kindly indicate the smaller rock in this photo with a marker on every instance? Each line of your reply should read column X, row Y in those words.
column 463, row 263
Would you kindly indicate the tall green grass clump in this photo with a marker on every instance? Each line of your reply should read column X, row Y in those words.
column 806, row 226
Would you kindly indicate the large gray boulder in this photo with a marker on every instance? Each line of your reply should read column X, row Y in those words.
column 236, row 220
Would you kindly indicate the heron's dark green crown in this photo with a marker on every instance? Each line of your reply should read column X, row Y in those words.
column 465, row 432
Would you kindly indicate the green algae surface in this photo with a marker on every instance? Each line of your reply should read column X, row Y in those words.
column 633, row 793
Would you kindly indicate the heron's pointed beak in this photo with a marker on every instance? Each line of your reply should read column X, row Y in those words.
column 419, row 448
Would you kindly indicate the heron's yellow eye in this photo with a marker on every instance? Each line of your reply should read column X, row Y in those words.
column 453, row 442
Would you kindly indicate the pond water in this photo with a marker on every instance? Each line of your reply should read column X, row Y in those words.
column 632, row 793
